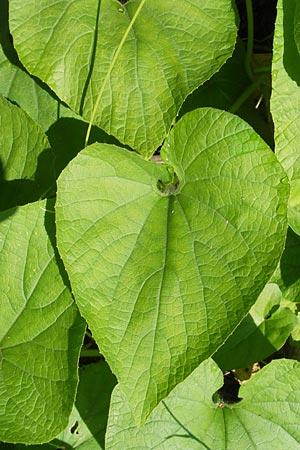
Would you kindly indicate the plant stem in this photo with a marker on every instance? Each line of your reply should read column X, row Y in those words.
column 89, row 353
column 246, row 94
column 250, row 40
column 113, row 61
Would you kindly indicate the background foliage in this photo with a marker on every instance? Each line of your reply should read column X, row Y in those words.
column 149, row 216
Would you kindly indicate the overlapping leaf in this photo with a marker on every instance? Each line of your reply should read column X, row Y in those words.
column 17, row 85
column 263, row 331
column 232, row 90
column 287, row 274
column 170, row 50
column 26, row 161
column 87, row 423
column 190, row 419
column 285, row 100
column 65, row 130
column 40, row 328
column 163, row 279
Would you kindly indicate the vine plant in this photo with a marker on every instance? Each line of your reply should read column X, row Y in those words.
column 150, row 205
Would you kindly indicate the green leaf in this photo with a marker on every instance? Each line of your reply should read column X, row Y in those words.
column 17, row 85
column 170, row 50
column 41, row 331
column 231, row 89
column 26, row 161
column 67, row 137
column 266, row 418
column 294, row 206
column 262, row 332
column 65, row 130
column 163, row 279
column 287, row 274
column 297, row 26
column 87, row 423
column 285, row 102
column 224, row 87
column 4, row 446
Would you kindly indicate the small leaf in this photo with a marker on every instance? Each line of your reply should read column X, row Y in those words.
column 266, row 417
column 287, row 274
column 87, row 423
column 162, row 280
column 26, row 161
column 41, row 331
column 170, row 50
column 262, row 332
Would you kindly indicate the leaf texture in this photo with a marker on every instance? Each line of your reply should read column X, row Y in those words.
column 164, row 273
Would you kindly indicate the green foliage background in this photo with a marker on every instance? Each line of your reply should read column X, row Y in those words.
column 146, row 195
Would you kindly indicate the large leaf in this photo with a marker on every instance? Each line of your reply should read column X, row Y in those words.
column 87, row 422
column 266, row 418
column 285, row 101
column 262, row 332
column 163, row 279
column 40, row 328
column 169, row 52
column 65, row 130
column 26, row 161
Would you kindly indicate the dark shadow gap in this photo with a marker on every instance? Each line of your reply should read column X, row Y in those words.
column 228, row 393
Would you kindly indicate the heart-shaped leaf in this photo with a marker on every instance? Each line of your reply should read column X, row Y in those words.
column 41, row 331
column 163, row 270
column 266, row 418
column 171, row 49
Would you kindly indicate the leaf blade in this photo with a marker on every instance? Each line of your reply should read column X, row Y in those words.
column 146, row 267
column 169, row 52
column 254, row 422
column 41, row 331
